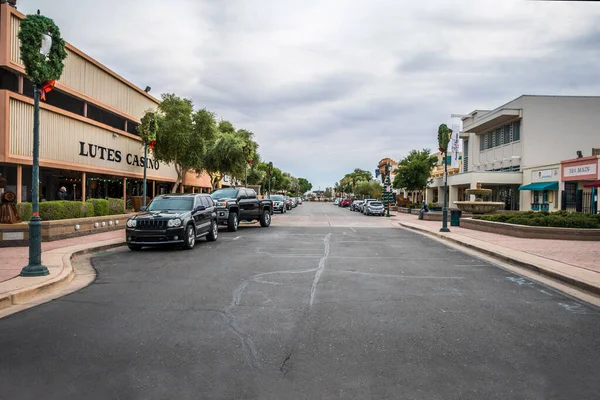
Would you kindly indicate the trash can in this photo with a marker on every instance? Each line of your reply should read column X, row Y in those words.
column 455, row 217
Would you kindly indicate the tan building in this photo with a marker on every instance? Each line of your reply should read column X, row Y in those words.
column 88, row 139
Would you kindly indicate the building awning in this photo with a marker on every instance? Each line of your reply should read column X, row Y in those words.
column 592, row 184
column 540, row 186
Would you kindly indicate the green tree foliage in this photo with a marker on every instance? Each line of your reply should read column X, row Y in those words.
column 229, row 153
column 414, row 170
column 371, row 189
column 328, row 193
column 305, row 185
column 349, row 182
column 444, row 134
column 182, row 135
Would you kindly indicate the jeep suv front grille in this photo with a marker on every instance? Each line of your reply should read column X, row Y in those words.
column 152, row 224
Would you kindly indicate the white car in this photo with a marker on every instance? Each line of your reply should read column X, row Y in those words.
column 336, row 202
column 375, row 208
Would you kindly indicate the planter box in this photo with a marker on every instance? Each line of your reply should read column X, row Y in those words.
column 532, row 232
column 393, row 208
column 18, row 234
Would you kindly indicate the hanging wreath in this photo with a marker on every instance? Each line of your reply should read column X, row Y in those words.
column 443, row 138
column 38, row 67
column 148, row 128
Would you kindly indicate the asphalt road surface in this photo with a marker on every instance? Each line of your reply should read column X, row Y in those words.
column 324, row 304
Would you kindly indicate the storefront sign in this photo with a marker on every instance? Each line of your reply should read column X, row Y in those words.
column 544, row 174
column 104, row 153
column 580, row 170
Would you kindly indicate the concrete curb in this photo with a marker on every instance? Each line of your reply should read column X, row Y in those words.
column 591, row 288
column 30, row 293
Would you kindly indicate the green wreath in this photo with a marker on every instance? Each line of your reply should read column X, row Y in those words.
column 443, row 138
column 39, row 68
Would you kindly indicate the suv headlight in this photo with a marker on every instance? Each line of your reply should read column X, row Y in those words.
column 131, row 223
column 174, row 223
column 221, row 204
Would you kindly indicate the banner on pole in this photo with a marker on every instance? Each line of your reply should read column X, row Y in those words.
column 455, row 143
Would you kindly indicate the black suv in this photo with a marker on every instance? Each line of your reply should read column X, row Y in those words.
column 173, row 219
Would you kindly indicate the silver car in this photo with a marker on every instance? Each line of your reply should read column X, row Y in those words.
column 374, row 208
column 363, row 206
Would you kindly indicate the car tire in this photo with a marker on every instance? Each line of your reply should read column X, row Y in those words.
column 214, row 232
column 189, row 237
column 232, row 222
column 134, row 247
column 265, row 219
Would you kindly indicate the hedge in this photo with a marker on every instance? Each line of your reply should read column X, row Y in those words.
column 56, row 210
column 558, row 219
column 100, row 206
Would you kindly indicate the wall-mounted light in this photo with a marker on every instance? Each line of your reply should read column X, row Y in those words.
column 148, row 89
column 115, row 135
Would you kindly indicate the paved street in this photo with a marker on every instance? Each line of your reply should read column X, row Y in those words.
column 324, row 304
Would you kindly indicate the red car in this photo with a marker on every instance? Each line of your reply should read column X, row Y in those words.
column 346, row 203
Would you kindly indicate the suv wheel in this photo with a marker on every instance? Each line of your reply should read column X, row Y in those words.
column 232, row 222
column 214, row 232
column 189, row 237
column 265, row 219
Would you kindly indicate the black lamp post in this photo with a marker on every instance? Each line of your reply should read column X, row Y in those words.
column 443, row 139
column 270, row 173
column 35, row 267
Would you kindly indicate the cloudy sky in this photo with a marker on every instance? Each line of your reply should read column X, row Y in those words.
column 332, row 85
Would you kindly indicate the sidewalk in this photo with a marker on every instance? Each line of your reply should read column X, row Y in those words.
column 571, row 261
column 56, row 256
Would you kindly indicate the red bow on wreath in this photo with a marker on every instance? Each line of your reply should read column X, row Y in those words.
column 47, row 88
column 441, row 150
column 152, row 144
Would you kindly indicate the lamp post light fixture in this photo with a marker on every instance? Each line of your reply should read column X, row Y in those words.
column 35, row 267
column 444, row 135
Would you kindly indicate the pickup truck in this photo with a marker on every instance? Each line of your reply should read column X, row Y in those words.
column 241, row 204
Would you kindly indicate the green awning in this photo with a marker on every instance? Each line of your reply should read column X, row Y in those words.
column 540, row 186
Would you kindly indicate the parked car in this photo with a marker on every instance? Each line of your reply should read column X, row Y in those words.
column 363, row 207
column 336, row 202
column 299, row 200
column 294, row 202
column 241, row 204
column 346, row 203
column 288, row 203
column 374, row 208
column 173, row 219
column 278, row 203
column 355, row 205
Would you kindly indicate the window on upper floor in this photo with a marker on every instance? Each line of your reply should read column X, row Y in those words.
column 9, row 80
column 500, row 136
column 132, row 127
column 105, row 117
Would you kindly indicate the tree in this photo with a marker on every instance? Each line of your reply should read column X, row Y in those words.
column 370, row 189
column 229, row 153
column 414, row 170
column 328, row 193
column 305, row 185
column 182, row 135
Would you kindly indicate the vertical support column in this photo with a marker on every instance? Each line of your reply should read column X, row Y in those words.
column 19, row 183
column 124, row 194
column 181, row 188
column 85, row 109
column 20, row 84
column 125, row 126
column 153, row 189
column 83, row 185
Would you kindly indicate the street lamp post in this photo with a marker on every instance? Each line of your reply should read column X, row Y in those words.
column 443, row 141
column 270, row 176
column 35, row 267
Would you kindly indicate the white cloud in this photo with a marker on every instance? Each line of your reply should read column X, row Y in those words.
column 328, row 86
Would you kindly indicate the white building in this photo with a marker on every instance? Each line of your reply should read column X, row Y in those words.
column 530, row 140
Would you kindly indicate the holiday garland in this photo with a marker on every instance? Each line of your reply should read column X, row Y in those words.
column 39, row 68
column 443, row 138
column 148, row 127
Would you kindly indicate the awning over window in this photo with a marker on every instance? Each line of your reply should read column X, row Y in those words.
column 540, row 186
column 592, row 184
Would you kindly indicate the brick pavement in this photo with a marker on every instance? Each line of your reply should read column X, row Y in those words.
column 13, row 259
column 580, row 254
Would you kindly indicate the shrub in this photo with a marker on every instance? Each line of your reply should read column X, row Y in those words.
column 52, row 210
column 24, row 210
column 558, row 219
column 100, row 207
column 116, row 206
